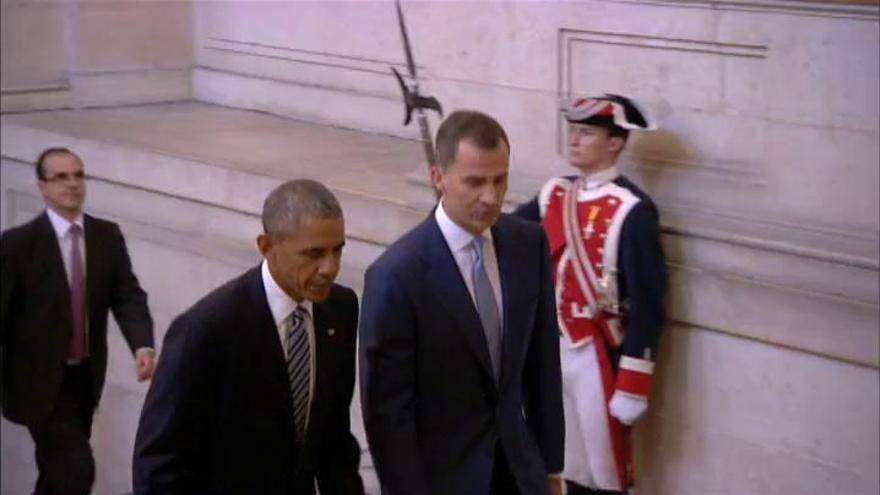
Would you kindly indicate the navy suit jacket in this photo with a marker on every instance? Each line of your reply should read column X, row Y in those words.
column 433, row 411
column 218, row 417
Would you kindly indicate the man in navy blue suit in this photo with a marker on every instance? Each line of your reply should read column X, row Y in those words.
column 460, row 378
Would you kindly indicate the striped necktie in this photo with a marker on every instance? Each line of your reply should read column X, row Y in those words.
column 298, row 368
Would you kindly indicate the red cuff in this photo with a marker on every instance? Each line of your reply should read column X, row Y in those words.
column 635, row 376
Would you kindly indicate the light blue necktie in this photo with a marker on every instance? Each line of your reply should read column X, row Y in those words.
column 298, row 369
column 487, row 306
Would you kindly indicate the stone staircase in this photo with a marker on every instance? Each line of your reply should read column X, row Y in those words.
column 226, row 158
column 186, row 182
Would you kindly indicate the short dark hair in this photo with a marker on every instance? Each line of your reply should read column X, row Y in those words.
column 607, row 123
column 467, row 125
column 289, row 204
column 617, row 131
column 44, row 155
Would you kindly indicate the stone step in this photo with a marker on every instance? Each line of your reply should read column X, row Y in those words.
column 187, row 181
column 213, row 156
column 194, row 176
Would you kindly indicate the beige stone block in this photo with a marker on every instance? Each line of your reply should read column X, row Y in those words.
column 233, row 165
column 303, row 102
column 328, row 70
column 26, row 59
column 128, row 87
column 16, row 459
column 318, row 27
column 501, row 45
column 42, row 99
column 734, row 416
column 816, row 322
column 605, row 63
column 704, row 256
column 818, row 71
column 124, row 35
column 113, row 436
column 824, row 178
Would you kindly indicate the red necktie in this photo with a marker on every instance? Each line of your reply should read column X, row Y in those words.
column 78, row 341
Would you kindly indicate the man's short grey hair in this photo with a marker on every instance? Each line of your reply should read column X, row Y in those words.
column 287, row 207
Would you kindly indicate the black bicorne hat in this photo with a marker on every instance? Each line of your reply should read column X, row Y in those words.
column 607, row 110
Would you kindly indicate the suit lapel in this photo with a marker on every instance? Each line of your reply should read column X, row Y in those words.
column 452, row 293
column 48, row 260
column 508, row 252
column 265, row 333
column 93, row 244
column 323, row 321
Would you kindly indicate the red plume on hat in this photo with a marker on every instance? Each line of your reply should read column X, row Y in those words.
column 607, row 109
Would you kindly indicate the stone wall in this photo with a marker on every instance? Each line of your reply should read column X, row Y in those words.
column 175, row 264
column 766, row 171
column 189, row 208
column 83, row 53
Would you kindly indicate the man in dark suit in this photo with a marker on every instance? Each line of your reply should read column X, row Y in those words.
column 253, row 389
column 61, row 272
column 460, row 378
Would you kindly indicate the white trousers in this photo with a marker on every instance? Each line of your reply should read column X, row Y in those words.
column 589, row 458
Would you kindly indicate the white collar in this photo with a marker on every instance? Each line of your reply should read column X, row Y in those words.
column 600, row 178
column 280, row 304
column 61, row 225
column 456, row 237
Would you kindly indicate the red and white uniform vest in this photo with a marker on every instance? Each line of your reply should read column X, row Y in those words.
column 583, row 222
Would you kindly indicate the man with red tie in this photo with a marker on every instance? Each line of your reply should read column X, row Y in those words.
column 60, row 273
column 610, row 278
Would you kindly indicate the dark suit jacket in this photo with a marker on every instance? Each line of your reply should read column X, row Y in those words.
column 432, row 409
column 218, row 417
column 35, row 314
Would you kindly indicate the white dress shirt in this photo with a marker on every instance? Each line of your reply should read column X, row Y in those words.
column 460, row 243
column 281, row 305
column 600, row 178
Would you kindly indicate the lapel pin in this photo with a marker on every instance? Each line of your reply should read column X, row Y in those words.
column 331, row 331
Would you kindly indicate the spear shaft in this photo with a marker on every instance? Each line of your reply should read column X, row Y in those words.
column 411, row 96
column 421, row 117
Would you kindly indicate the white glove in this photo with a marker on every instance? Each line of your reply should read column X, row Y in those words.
column 627, row 408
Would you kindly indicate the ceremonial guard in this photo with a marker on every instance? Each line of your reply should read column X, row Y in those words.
column 610, row 278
